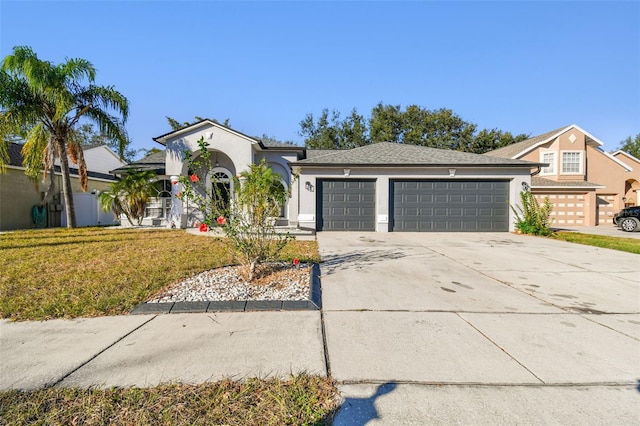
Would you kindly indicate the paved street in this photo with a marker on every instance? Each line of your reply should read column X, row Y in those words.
column 418, row 328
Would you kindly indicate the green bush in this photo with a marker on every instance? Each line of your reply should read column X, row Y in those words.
column 533, row 218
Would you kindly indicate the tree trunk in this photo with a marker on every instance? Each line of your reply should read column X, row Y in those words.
column 66, row 185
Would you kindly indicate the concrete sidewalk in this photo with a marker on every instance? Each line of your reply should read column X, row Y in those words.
column 418, row 328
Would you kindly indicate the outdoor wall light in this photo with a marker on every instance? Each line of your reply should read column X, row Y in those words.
column 452, row 172
column 525, row 186
column 308, row 186
column 347, row 172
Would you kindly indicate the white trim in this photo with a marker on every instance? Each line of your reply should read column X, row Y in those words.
column 625, row 153
column 176, row 134
column 554, row 136
column 586, row 188
column 580, row 165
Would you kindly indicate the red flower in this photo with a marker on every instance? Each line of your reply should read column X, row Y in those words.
column 221, row 220
column 179, row 194
column 194, row 178
column 174, row 182
column 203, row 227
column 296, row 261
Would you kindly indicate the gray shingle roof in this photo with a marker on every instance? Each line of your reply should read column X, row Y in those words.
column 15, row 159
column 153, row 161
column 538, row 182
column 510, row 151
column 315, row 153
column 387, row 154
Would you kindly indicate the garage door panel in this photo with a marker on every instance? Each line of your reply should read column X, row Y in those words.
column 450, row 205
column 346, row 205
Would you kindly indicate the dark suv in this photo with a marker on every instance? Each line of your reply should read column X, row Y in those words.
column 628, row 219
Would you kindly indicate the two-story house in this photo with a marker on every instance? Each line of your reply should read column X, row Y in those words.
column 586, row 185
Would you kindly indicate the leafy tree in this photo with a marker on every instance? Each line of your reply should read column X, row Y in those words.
column 130, row 195
column 386, row 123
column 329, row 132
column 249, row 219
column 43, row 104
column 488, row 140
column 631, row 145
column 87, row 135
column 415, row 125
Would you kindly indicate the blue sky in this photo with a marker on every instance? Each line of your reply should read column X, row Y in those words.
column 524, row 67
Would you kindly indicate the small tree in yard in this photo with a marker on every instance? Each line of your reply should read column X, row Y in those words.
column 532, row 217
column 130, row 195
column 248, row 219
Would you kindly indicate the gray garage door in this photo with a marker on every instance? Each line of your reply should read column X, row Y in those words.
column 449, row 205
column 346, row 205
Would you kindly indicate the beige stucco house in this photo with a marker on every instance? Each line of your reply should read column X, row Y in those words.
column 19, row 195
column 383, row 187
column 585, row 184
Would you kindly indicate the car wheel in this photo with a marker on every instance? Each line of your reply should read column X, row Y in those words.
column 630, row 224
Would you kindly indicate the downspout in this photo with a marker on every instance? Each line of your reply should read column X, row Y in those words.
column 538, row 172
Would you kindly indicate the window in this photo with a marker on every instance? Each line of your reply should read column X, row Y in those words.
column 550, row 158
column 572, row 162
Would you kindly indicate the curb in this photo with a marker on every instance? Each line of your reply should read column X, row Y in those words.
column 313, row 303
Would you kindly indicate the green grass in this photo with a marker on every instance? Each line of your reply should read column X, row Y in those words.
column 66, row 273
column 629, row 245
column 300, row 400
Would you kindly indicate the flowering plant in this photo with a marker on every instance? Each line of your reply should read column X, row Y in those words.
column 246, row 213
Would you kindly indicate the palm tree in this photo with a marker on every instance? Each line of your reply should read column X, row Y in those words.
column 43, row 103
column 130, row 195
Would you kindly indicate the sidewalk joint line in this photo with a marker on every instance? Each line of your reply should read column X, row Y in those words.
column 327, row 364
column 501, row 348
column 63, row 378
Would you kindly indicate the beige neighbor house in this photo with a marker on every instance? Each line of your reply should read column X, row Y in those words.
column 383, row 187
column 586, row 185
column 19, row 196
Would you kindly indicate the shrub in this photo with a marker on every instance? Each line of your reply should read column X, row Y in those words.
column 249, row 217
column 532, row 217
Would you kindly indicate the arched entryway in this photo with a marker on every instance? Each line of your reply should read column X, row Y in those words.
column 631, row 193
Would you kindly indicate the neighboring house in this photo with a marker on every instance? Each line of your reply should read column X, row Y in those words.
column 381, row 187
column 19, row 195
column 586, row 185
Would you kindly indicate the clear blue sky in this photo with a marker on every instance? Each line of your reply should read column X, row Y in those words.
column 524, row 67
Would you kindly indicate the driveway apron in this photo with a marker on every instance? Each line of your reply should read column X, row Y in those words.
column 436, row 315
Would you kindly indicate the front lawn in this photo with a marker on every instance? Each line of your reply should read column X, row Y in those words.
column 66, row 273
column 630, row 245
column 300, row 400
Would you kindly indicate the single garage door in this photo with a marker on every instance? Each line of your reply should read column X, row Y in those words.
column 346, row 205
column 449, row 205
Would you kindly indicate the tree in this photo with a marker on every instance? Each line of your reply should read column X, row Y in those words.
column 43, row 103
column 130, row 195
column 415, row 125
column 631, row 145
column 329, row 132
column 488, row 140
column 87, row 136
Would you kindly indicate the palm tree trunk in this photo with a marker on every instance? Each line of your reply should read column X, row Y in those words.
column 66, row 185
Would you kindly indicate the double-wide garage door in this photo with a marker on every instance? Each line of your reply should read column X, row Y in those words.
column 415, row 205
column 449, row 205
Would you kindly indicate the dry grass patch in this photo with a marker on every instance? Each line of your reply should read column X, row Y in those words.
column 300, row 400
column 61, row 273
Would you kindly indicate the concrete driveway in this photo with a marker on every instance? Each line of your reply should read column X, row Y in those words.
column 481, row 328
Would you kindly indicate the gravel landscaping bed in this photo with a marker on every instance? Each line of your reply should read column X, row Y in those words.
column 278, row 281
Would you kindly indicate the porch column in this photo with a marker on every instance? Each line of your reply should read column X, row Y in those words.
column 175, row 214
